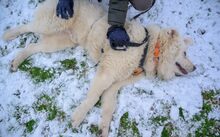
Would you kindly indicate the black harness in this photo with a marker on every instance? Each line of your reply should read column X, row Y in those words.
column 131, row 44
column 146, row 40
column 134, row 44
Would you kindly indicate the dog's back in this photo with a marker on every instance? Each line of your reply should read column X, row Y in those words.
column 85, row 14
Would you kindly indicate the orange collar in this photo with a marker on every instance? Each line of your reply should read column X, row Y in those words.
column 139, row 70
column 157, row 52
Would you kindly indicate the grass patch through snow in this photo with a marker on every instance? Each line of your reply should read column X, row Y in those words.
column 36, row 73
column 128, row 127
column 45, row 103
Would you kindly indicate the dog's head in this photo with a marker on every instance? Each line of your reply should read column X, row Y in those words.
column 173, row 59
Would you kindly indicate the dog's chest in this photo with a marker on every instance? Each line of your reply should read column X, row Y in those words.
column 122, row 62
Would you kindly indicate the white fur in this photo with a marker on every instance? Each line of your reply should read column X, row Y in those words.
column 88, row 28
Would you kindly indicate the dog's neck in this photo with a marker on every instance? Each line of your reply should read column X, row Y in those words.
column 152, row 58
column 156, row 55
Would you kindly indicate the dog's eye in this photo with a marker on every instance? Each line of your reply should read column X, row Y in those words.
column 184, row 53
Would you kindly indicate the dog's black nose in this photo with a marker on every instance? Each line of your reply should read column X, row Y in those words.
column 194, row 68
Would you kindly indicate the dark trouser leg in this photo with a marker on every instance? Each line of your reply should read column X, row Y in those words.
column 142, row 4
column 118, row 9
column 117, row 12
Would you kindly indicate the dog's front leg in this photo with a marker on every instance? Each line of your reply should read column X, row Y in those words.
column 101, row 82
column 109, row 101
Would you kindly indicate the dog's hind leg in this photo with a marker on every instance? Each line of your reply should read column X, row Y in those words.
column 47, row 44
column 33, row 27
column 101, row 82
column 22, row 55
column 15, row 32
column 109, row 101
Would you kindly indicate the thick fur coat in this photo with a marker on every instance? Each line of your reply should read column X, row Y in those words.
column 88, row 29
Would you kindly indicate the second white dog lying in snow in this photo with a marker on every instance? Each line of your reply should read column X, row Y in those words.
column 165, row 58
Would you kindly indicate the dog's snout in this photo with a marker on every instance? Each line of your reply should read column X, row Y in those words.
column 194, row 68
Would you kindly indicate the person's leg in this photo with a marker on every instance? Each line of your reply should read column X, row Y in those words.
column 117, row 12
column 142, row 4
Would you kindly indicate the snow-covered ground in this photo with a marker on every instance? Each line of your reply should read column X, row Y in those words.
column 30, row 106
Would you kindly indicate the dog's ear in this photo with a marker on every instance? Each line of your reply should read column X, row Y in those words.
column 188, row 41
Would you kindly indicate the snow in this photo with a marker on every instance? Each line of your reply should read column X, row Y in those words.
column 198, row 19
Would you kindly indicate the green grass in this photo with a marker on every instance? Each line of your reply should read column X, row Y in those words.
column 37, row 74
column 25, row 65
column 80, row 68
column 167, row 130
column 159, row 120
column 181, row 113
column 200, row 125
column 41, row 75
column 128, row 126
column 45, row 103
column 30, row 125
column 94, row 129
column 209, row 127
column 69, row 64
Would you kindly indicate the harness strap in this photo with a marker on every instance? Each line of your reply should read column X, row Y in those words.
column 134, row 44
column 131, row 44
column 156, row 58
column 140, row 68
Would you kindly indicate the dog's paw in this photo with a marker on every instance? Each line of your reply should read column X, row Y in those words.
column 14, row 66
column 9, row 35
column 103, row 132
column 77, row 119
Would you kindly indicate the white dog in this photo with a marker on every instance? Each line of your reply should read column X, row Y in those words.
column 166, row 54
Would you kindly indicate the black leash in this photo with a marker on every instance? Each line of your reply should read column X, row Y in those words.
column 136, row 16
